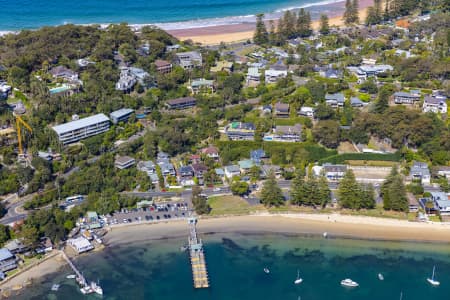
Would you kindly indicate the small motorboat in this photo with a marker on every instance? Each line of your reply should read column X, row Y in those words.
column 325, row 234
column 298, row 280
column 380, row 276
column 349, row 283
column 55, row 287
column 266, row 270
column 71, row 276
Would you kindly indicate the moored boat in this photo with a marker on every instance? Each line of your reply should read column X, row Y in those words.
column 349, row 283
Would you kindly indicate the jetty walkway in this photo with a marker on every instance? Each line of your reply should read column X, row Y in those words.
column 198, row 263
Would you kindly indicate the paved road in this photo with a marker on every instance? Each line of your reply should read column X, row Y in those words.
column 12, row 215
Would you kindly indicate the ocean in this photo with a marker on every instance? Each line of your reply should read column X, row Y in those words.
column 159, row 270
column 174, row 14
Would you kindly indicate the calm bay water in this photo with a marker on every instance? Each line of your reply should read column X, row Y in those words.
column 26, row 14
column 158, row 270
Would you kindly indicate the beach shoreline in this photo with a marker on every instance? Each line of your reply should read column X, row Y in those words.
column 335, row 225
column 214, row 35
column 213, row 31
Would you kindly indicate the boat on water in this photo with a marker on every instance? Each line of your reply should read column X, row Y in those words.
column 55, row 287
column 349, row 283
column 96, row 288
column 431, row 280
column 380, row 276
column 298, row 280
column 325, row 234
column 71, row 276
column 86, row 290
column 266, row 270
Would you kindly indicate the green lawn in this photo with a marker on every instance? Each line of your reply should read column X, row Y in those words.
column 228, row 205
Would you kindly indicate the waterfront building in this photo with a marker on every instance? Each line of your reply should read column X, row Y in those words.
column 80, row 244
column 7, row 260
column 80, row 129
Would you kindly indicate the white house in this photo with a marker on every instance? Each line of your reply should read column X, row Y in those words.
column 434, row 104
column 231, row 171
column 307, row 111
column 80, row 244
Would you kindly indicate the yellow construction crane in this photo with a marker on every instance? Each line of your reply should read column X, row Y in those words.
column 20, row 121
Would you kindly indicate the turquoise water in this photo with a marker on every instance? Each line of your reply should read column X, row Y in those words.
column 20, row 14
column 158, row 270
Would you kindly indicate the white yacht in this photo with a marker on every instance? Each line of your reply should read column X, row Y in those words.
column 349, row 283
column 96, row 288
column 431, row 280
column 380, row 276
column 266, row 270
column 71, row 276
column 298, row 280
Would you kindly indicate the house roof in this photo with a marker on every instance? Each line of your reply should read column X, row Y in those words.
column 296, row 129
column 124, row 160
column 121, row 113
column 334, row 168
column 199, row 167
column 159, row 63
column 184, row 169
column 210, row 150
column 433, row 100
column 232, row 169
column 405, row 94
column 219, row 171
column 258, row 153
column 81, row 123
column 201, row 82
column 246, row 164
column 181, row 100
column 282, row 107
column 5, row 254
column 356, row 101
column 338, row 97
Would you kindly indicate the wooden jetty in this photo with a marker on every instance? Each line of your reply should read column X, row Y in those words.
column 80, row 278
column 198, row 263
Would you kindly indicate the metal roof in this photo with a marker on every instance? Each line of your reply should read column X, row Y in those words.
column 121, row 113
column 5, row 254
column 81, row 123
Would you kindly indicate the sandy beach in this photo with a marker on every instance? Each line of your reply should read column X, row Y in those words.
column 47, row 266
column 214, row 35
column 335, row 225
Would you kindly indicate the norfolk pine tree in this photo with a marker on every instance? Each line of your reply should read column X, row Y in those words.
column 261, row 35
column 324, row 24
column 271, row 194
column 349, row 191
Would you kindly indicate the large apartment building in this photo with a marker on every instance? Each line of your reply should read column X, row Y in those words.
column 79, row 129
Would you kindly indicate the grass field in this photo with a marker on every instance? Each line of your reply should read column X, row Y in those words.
column 228, row 205
column 371, row 163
